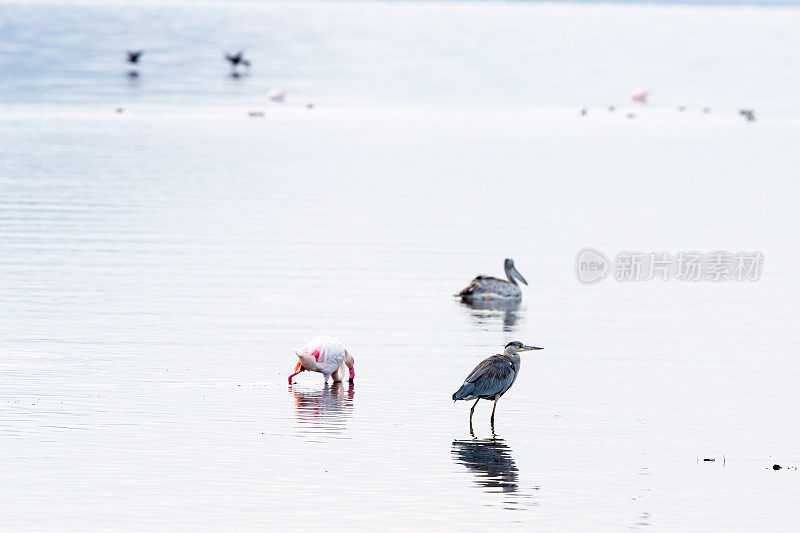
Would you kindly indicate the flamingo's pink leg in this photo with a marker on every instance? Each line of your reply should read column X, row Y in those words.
column 351, row 364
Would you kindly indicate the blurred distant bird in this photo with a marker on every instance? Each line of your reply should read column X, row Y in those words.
column 133, row 56
column 327, row 356
column 640, row 96
column 681, row 108
column 489, row 288
column 584, row 111
column 235, row 61
column 276, row 95
column 492, row 377
column 748, row 114
column 611, row 109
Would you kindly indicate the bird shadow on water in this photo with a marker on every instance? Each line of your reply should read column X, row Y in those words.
column 323, row 413
column 492, row 463
column 489, row 313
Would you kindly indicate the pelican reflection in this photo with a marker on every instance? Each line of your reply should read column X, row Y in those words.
column 487, row 313
column 323, row 410
column 492, row 463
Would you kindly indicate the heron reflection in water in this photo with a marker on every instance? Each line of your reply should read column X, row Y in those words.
column 492, row 463
column 487, row 313
column 324, row 410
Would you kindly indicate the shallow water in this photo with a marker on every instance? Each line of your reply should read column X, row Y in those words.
column 159, row 265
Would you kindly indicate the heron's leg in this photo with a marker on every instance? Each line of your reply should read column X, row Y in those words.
column 493, row 408
column 471, row 411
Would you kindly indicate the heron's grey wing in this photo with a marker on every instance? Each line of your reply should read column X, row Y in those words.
column 494, row 375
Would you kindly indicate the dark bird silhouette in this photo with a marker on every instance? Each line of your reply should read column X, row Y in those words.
column 134, row 55
column 234, row 60
column 237, row 60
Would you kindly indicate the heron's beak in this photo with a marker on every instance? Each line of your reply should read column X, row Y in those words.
column 518, row 275
column 529, row 348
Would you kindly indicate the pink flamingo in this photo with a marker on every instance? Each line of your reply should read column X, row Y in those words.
column 327, row 356
column 640, row 96
column 276, row 95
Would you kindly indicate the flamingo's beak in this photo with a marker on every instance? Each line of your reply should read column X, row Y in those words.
column 297, row 369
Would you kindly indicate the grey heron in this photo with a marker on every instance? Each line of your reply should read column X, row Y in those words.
column 490, row 288
column 492, row 377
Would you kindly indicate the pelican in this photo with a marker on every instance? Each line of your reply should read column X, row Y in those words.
column 492, row 377
column 489, row 288
column 327, row 356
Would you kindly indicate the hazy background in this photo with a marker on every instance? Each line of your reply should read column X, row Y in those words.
column 157, row 266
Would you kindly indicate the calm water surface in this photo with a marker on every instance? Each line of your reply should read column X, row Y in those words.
column 158, row 266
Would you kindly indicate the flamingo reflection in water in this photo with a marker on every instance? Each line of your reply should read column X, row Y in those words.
column 495, row 471
column 324, row 411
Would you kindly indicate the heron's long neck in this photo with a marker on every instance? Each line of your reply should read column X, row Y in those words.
column 510, row 277
column 515, row 359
